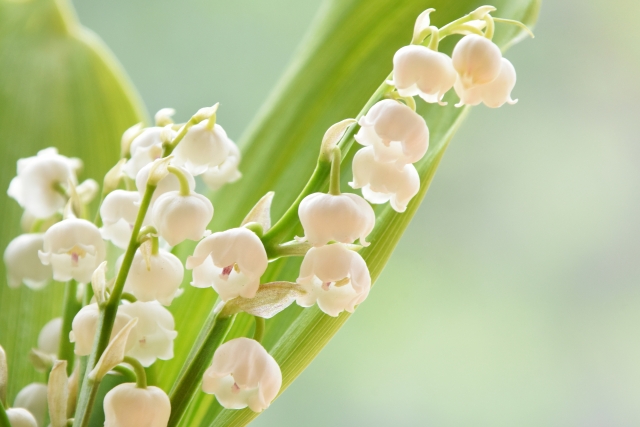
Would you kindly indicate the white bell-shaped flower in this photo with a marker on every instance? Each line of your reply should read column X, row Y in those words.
column 227, row 172
column 179, row 217
column 20, row 417
column 33, row 398
column 166, row 184
column 23, row 263
column 49, row 336
column 85, row 324
column 119, row 211
column 74, row 248
column 395, row 132
column 243, row 374
column 158, row 279
column 343, row 218
column 231, row 261
column 418, row 70
column 335, row 277
column 152, row 337
column 145, row 148
column 126, row 405
column 383, row 182
column 477, row 60
column 202, row 148
column 493, row 94
column 34, row 187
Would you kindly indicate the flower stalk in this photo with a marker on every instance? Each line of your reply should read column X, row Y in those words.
column 69, row 311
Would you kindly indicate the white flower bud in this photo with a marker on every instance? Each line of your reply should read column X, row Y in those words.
column 34, row 187
column 126, row 405
column 85, row 324
column 395, row 132
column 152, row 337
column 23, row 263
column 74, row 248
column 476, row 59
column 243, row 374
column 227, row 172
column 166, row 184
column 335, row 277
column 179, row 217
column 49, row 337
column 157, row 279
column 418, row 70
column 33, row 398
column 119, row 211
column 495, row 93
column 383, row 182
column 343, row 218
column 202, row 148
column 20, row 417
column 145, row 148
column 231, row 261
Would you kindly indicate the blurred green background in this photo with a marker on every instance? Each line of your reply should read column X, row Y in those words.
column 513, row 298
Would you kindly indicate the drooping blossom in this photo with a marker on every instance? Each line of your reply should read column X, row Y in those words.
column 334, row 277
column 231, row 261
column 477, row 60
column 20, row 417
column 225, row 173
column 395, row 132
column 145, row 148
column 74, row 248
column 202, row 148
column 342, row 218
column 383, row 182
column 243, row 374
column 84, row 328
column 493, row 94
column 179, row 217
column 49, row 336
column 33, row 398
column 119, row 211
column 418, row 70
column 23, row 263
column 127, row 405
column 157, row 278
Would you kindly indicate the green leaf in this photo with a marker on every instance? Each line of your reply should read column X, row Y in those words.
column 59, row 86
column 345, row 57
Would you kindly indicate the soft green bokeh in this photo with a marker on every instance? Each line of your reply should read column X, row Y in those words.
column 513, row 298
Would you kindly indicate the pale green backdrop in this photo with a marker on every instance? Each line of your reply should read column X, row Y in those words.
column 514, row 298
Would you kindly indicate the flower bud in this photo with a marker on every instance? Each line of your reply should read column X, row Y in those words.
column 383, row 182
column 495, row 93
column 33, row 398
column 179, row 217
column 477, row 60
column 418, row 70
column 243, row 374
column 85, row 324
column 231, row 261
column 129, row 406
column 152, row 337
column 74, row 248
column 49, row 336
column 202, row 148
column 343, row 218
column 34, row 187
column 395, row 132
column 23, row 264
column 145, row 148
column 119, row 211
column 335, row 277
column 226, row 172
column 20, row 417
column 157, row 278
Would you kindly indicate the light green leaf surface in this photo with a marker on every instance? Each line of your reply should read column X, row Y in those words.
column 346, row 55
column 59, row 86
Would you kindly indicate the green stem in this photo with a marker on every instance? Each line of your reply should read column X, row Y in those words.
column 71, row 308
column 141, row 375
column 168, row 148
column 435, row 39
column 127, row 373
column 491, row 27
column 189, row 380
column 287, row 249
column 258, row 333
column 128, row 297
column 185, row 190
column 516, row 23
column 4, row 418
column 334, row 180
column 108, row 316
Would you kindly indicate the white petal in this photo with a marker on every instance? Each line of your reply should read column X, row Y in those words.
column 49, row 337
column 20, row 417
column 155, row 331
column 159, row 280
column 33, row 398
column 119, row 211
column 202, row 148
column 418, row 70
column 23, row 263
column 476, row 59
column 129, row 406
column 178, row 217
column 85, row 324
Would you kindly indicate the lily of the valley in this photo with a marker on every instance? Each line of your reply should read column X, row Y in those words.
column 342, row 218
column 156, row 277
column 203, row 147
column 20, row 417
column 33, row 398
column 230, row 261
column 145, row 148
column 74, row 248
column 85, row 324
column 493, row 94
column 23, row 263
column 243, row 374
column 49, row 336
column 227, row 172
column 335, row 277
column 477, row 60
column 119, row 211
column 127, row 405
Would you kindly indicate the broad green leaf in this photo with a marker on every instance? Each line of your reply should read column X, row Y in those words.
column 343, row 60
column 59, row 86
